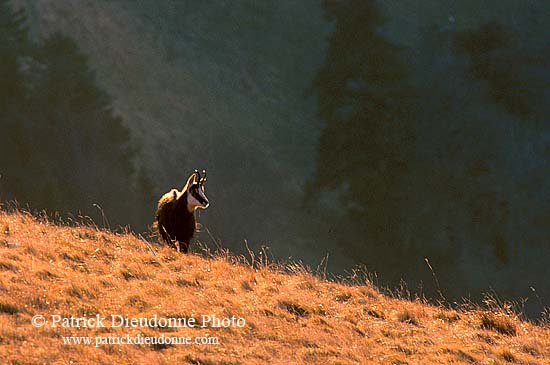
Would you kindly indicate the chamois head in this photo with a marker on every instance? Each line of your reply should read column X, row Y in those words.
column 195, row 191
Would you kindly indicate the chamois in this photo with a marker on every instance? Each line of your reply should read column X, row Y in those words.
column 175, row 218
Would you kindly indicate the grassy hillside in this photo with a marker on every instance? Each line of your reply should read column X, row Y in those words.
column 291, row 316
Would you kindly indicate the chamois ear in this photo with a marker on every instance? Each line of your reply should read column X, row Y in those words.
column 192, row 179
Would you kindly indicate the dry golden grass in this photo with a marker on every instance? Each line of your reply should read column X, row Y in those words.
column 291, row 318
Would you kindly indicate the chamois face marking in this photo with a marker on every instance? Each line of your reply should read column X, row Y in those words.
column 195, row 192
column 196, row 198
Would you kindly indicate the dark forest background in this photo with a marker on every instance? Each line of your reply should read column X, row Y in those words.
column 377, row 134
column 61, row 148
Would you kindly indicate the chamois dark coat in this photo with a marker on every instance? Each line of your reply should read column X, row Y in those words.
column 175, row 218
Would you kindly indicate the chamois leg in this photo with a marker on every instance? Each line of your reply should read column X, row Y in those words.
column 183, row 247
column 168, row 240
